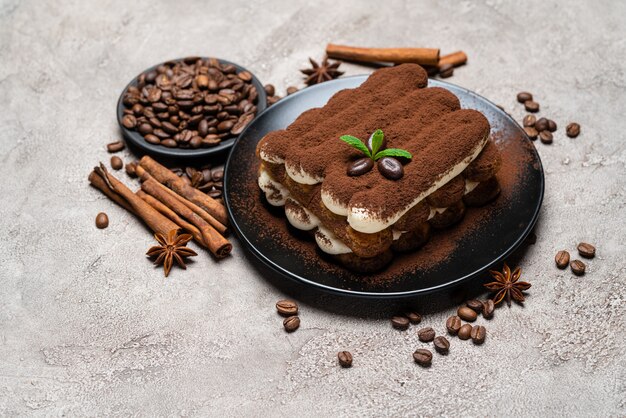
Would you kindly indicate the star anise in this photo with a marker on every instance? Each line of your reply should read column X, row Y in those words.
column 507, row 285
column 172, row 247
column 320, row 73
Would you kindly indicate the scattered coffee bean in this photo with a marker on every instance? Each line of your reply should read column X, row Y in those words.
column 291, row 90
column 488, row 308
column 531, row 106
column 578, row 267
column 551, row 125
column 541, row 124
column 572, row 130
column 426, row 334
column 545, row 137
column 102, row 220
column 478, row 334
column 529, row 120
column 524, row 96
column 116, row 162
column 531, row 132
column 467, row 314
column 442, row 345
column 115, row 146
column 390, row 168
column 475, row 304
column 360, row 167
column 345, row 359
column 465, row 332
column 446, row 70
column 131, row 169
column 414, row 317
column 269, row 90
column 400, row 322
column 453, row 324
column 423, row 357
column 561, row 259
column 287, row 307
column 291, row 323
column 586, row 250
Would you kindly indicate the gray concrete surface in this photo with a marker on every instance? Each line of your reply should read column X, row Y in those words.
column 89, row 327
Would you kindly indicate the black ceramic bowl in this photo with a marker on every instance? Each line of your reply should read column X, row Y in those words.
column 137, row 140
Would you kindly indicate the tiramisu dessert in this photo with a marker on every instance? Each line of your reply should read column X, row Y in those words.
column 379, row 166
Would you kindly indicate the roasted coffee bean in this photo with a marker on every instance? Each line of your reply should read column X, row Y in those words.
column 291, row 323
column 195, row 142
column 467, row 314
column 578, row 267
column 561, row 259
column 241, row 124
column 145, row 129
column 442, row 345
column 102, row 220
column 170, row 143
column 131, row 169
column 217, row 174
column 423, row 357
column 291, row 90
column 529, row 120
column 478, row 334
column 586, row 250
column 115, row 146
column 270, row 90
column 545, row 137
column 152, row 139
column 360, row 167
column 531, row 106
column 414, row 317
column 488, row 308
column 345, row 359
column 129, row 121
column 446, row 70
column 465, row 332
column 531, row 132
column 453, row 324
column 116, row 162
column 390, row 168
column 203, row 128
column 541, row 124
column 169, row 128
column 426, row 334
column 400, row 322
column 572, row 130
column 551, row 125
column 287, row 307
column 524, row 96
column 475, row 305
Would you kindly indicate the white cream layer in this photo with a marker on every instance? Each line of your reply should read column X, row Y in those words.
column 295, row 218
column 275, row 193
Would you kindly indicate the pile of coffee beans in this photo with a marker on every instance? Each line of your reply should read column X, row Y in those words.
column 191, row 103
column 469, row 313
column 541, row 128
column 562, row 258
column 289, row 309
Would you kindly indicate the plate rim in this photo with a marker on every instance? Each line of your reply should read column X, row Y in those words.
column 382, row 295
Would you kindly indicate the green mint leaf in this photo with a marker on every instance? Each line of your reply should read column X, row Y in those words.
column 377, row 140
column 356, row 143
column 393, row 152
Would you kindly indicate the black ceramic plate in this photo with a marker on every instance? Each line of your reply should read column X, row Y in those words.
column 484, row 238
column 137, row 140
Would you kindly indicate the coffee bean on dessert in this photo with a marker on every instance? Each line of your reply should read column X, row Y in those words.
column 478, row 334
column 467, row 314
column 524, row 96
column 529, row 120
column 116, row 162
column 531, row 132
column 426, row 334
column 446, row 70
column 400, row 322
column 475, row 304
column 291, row 323
column 115, row 146
column 541, row 124
column 129, row 121
column 287, row 307
column 488, row 308
column 453, row 324
column 414, row 317
column 423, row 357
column 545, row 137
column 291, row 90
column 465, row 332
column 586, row 250
column 551, row 125
column 442, row 345
column 561, row 259
column 390, row 168
column 578, row 267
column 360, row 167
column 102, row 220
column 345, row 359
column 269, row 89
column 572, row 130
column 531, row 106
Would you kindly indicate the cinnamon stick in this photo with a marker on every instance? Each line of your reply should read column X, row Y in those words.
column 456, row 58
column 97, row 182
column 152, row 218
column 216, row 243
column 423, row 56
column 171, row 180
